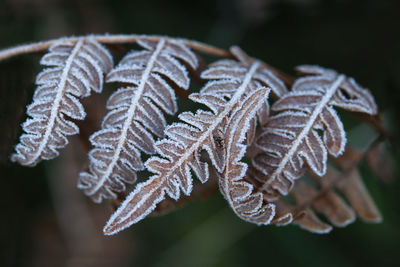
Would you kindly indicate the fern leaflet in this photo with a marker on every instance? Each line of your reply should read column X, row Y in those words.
column 290, row 139
column 77, row 68
column 242, row 196
column 135, row 114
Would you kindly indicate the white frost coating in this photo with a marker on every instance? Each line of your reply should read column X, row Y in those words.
column 265, row 76
column 361, row 100
column 218, row 119
column 228, row 108
column 248, row 205
column 299, row 139
column 125, row 206
column 290, row 138
column 130, row 114
column 74, row 74
column 135, row 114
column 57, row 100
column 331, row 132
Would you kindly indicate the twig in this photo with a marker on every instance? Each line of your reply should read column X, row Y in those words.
column 108, row 39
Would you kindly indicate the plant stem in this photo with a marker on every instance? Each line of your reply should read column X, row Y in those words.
column 108, row 39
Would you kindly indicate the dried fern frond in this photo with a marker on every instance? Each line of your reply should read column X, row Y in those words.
column 305, row 127
column 136, row 114
column 76, row 69
column 232, row 82
column 182, row 154
column 78, row 65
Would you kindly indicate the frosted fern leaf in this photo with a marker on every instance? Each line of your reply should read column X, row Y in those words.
column 76, row 69
column 291, row 139
column 135, row 115
column 241, row 195
column 232, row 82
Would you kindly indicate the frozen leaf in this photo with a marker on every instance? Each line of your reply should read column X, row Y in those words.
column 76, row 69
column 242, row 196
column 305, row 127
column 136, row 114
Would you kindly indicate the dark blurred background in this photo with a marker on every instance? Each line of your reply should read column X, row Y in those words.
column 46, row 221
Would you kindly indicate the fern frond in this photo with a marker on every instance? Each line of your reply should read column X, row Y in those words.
column 231, row 82
column 292, row 138
column 76, row 69
column 302, row 131
column 136, row 114
column 181, row 151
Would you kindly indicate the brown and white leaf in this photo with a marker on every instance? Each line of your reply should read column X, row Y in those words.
column 242, row 196
column 135, row 115
column 305, row 127
column 76, row 68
